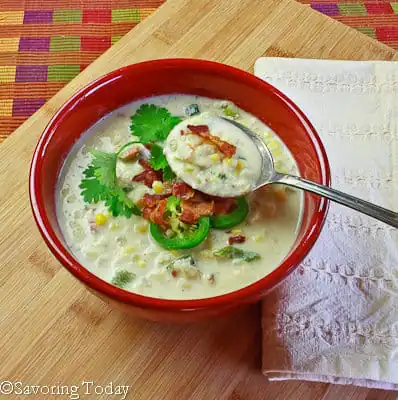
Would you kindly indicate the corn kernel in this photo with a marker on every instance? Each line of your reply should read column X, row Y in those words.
column 130, row 250
column 175, row 253
column 114, row 226
column 186, row 285
column 141, row 228
column 157, row 187
column 141, row 263
column 100, row 219
column 136, row 258
column 258, row 238
column 239, row 165
column 236, row 231
column 215, row 157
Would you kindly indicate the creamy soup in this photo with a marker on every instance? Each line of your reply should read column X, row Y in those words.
column 128, row 219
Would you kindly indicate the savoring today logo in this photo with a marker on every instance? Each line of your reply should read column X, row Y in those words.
column 72, row 392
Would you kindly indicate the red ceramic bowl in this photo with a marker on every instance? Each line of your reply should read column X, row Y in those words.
column 176, row 76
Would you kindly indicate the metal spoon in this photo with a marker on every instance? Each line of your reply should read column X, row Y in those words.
column 269, row 175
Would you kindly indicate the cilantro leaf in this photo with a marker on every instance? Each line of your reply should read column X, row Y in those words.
column 119, row 204
column 100, row 184
column 151, row 123
column 234, row 252
column 93, row 191
column 168, row 174
column 104, row 166
column 159, row 161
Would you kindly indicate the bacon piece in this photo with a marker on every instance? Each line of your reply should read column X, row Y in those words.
column 237, row 239
column 151, row 200
column 182, row 190
column 188, row 216
column 204, row 132
column 158, row 214
column 192, row 210
column 224, row 206
column 144, row 163
column 149, row 175
column 131, row 154
column 155, row 213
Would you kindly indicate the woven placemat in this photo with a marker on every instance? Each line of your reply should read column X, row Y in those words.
column 45, row 43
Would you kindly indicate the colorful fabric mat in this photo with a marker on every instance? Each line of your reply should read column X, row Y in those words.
column 46, row 43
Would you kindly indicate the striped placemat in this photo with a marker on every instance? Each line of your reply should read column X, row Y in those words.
column 45, row 43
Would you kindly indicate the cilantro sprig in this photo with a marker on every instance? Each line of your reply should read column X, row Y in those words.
column 152, row 123
column 100, row 183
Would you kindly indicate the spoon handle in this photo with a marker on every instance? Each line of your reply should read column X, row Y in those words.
column 382, row 214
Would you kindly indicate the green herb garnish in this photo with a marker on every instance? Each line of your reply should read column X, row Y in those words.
column 123, row 278
column 184, row 257
column 158, row 162
column 152, row 123
column 100, row 183
column 236, row 253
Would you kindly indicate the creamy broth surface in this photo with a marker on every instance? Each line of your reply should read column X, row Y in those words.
column 120, row 243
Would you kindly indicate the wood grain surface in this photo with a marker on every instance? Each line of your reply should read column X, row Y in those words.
column 52, row 331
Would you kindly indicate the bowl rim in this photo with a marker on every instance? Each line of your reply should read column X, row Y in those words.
column 65, row 257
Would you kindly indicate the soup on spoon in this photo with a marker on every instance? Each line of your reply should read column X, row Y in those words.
column 213, row 156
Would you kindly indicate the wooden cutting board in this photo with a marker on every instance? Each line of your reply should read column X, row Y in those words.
column 52, row 331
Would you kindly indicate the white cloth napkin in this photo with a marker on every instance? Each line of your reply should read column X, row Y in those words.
column 336, row 318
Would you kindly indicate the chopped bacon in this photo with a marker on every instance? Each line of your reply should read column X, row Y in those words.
column 224, row 206
column 192, row 210
column 144, row 163
column 182, row 190
column 201, row 130
column 158, row 214
column 237, row 239
column 155, row 213
column 188, row 216
column 151, row 200
column 149, row 175
column 204, row 132
column 130, row 154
